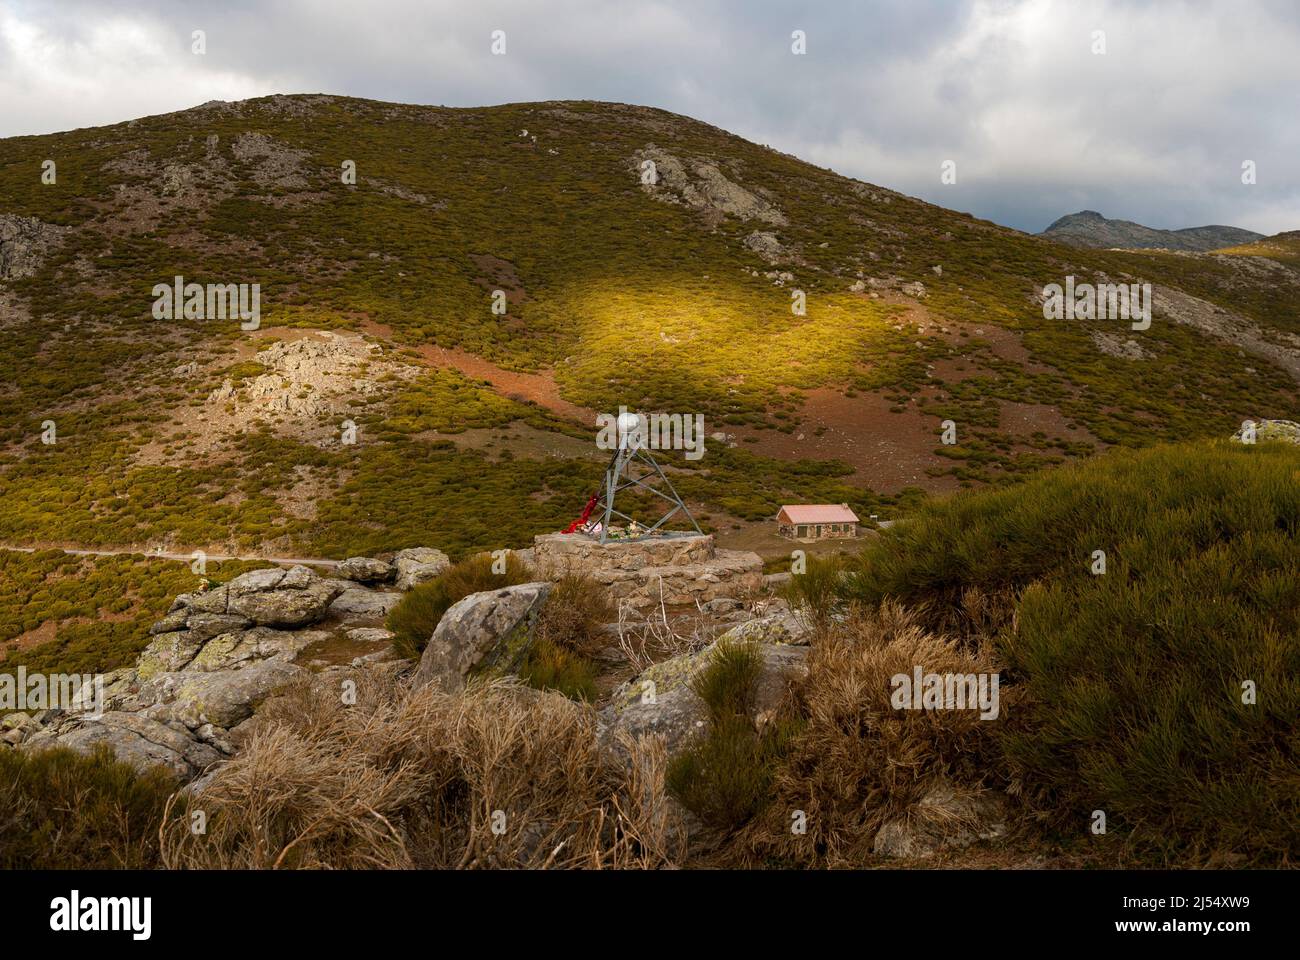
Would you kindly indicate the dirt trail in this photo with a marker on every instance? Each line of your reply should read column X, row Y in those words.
column 167, row 555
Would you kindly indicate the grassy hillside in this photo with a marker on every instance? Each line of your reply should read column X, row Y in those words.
column 618, row 292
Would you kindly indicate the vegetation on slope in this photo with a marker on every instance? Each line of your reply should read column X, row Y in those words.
column 95, row 611
column 1163, row 691
column 622, row 297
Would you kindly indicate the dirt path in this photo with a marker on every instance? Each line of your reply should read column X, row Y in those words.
column 165, row 555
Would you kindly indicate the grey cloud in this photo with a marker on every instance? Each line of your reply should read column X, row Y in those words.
column 1039, row 126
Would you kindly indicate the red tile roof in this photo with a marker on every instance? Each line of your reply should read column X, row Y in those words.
column 817, row 513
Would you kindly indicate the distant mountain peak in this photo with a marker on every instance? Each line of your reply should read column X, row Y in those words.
column 1088, row 228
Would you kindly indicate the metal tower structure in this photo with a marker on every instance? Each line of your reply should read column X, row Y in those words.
column 632, row 465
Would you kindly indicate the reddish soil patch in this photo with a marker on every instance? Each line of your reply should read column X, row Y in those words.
column 539, row 388
column 49, row 630
column 1029, row 418
column 498, row 274
column 888, row 451
column 31, row 638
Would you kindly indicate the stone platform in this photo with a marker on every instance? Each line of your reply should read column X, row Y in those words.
column 686, row 567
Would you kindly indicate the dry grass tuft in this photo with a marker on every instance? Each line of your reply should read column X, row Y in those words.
column 498, row 776
column 859, row 762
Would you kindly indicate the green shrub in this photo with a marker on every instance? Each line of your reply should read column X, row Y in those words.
column 574, row 614
column 416, row 616
column 816, row 592
column 1135, row 676
column 550, row 666
column 566, row 634
column 725, row 778
column 64, row 810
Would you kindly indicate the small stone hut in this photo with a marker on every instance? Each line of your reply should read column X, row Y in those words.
column 817, row 521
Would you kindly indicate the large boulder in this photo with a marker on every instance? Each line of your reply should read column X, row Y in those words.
column 136, row 739
column 419, row 565
column 366, row 570
column 484, row 631
column 279, row 598
column 220, row 697
column 661, row 699
column 1265, row 430
column 362, row 603
column 269, row 597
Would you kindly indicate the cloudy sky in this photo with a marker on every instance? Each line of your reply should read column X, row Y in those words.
column 1155, row 129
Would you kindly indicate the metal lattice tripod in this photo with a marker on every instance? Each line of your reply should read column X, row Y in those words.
column 622, row 474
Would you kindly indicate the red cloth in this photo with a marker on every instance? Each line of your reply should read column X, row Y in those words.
column 586, row 512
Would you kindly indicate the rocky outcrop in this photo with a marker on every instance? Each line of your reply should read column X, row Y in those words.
column 485, row 632
column 945, row 818
column 135, row 738
column 24, row 244
column 1124, row 348
column 661, row 701
column 273, row 162
column 221, row 698
column 700, row 184
column 366, row 570
column 1265, row 430
column 306, row 386
column 362, row 603
column 677, row 568
column 419, row 565
column 216, row 655
column 767, row 246
column 279, row 598
column 781, row 627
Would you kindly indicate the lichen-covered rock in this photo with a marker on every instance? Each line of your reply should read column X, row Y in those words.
column 220, row 697
column 204, row 626
column 483, row 632
column 201, row 601
column 660, row 700
column 279, row 598
column 945, row 818
column 366, row 570
column 233, row 650
column 137, row 739
column 362, row 603
column 419, row 565
column 783, row 626
column 1265, row 430
column 167, row 652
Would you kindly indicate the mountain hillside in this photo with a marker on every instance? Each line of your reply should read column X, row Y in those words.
column 1087, row 228
column 642, row 259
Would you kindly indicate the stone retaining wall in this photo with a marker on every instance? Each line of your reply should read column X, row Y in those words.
column 686, row 567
